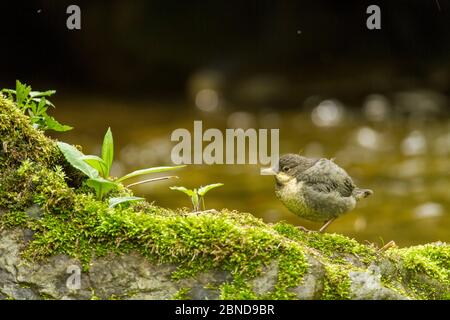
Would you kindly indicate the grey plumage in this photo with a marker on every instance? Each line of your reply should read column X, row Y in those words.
column 317, row 190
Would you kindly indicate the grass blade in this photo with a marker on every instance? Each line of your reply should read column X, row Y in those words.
column 108, row 150
column 147, row 171
column 151, row 180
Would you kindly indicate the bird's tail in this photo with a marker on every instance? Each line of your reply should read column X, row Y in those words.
column 362, row 193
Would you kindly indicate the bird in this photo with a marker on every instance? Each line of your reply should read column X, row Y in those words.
column 315, row 189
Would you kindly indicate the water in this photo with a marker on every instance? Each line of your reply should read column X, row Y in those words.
column 403, row 156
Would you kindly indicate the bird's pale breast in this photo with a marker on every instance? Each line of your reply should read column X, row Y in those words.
column 312, row 205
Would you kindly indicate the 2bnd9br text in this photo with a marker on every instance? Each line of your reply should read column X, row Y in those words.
column 246, row 309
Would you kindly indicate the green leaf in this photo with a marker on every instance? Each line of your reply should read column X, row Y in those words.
column 48, row 102
column 101, row 186
column 52, row 124
column 48, row 93
column 203, row 190
column 108, row 150
column 96, row 163
column 189, row 192
column 9, row 91
column 115, row 201
column 74, row 157
column 147, row 171
column 22, row 92
column 151, row 180
column 41, row 107
column 34, row 110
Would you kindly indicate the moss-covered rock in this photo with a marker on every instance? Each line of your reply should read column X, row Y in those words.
column 50, row 222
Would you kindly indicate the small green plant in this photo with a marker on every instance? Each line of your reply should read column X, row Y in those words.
column 35, row 103
column 98, row 169
column 197, row 195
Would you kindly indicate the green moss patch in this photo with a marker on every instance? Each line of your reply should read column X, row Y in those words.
column 430, row 260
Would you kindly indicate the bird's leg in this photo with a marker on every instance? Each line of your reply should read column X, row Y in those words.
column 326, row 224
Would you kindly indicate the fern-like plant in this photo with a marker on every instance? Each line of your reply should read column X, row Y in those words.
column 197, row 195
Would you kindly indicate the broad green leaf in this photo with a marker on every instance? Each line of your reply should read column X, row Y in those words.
column 101, row 186
column 189, row 192
column 74, row 157
column 108, row 150
column 203, row 190
column 52, row 124
column 115, row 201
column 147, row 171
column 97, row 163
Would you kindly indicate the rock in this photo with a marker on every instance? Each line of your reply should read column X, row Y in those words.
column 34, row 211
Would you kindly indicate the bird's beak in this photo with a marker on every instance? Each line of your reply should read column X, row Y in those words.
column 268, row 172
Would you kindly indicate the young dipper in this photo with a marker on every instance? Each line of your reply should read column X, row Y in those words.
column 317, row 190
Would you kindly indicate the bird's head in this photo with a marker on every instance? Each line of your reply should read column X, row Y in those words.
column 290, row 166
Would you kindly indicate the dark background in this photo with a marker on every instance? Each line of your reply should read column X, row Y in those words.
column 150, row 48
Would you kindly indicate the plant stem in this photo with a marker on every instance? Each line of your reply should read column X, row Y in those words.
column 150, row 180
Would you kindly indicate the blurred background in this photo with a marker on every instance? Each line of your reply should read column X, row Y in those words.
column 376, row 100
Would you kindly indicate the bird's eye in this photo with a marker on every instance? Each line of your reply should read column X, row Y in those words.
column 285, row 169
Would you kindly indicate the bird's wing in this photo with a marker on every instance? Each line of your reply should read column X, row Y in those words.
column 326, row 176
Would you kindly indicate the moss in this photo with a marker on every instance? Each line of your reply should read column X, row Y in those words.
column 335, row 252
column 238, row 289
column 292, row 267
column 20, row 141
column 425, row 269
column 94, row 295
column 336, row 284
column 181, row 294
column 13, row 219
column 329, row 244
